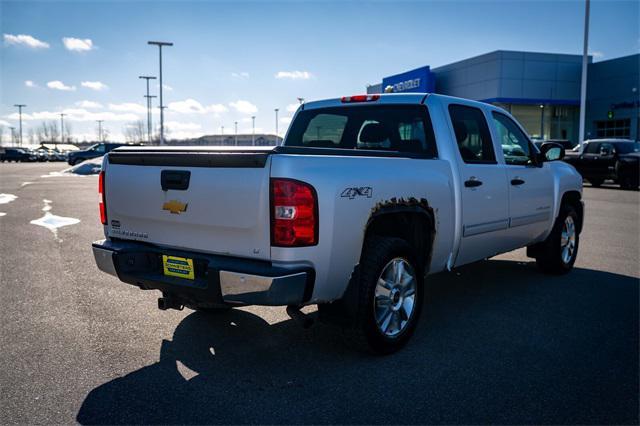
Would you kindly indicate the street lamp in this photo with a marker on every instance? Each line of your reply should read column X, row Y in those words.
column 253, row 130
column 542, row 121
column 276, row 110
column 13, row 135
column 20, row 106
column 235, row 123
column 148, row 77
column 160, row 44
column 62, row 127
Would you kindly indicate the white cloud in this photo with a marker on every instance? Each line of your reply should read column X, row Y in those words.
column 244, row 107
column 77, row 44
column 597, row 54
column 89, row 104
column 286, row 120
column 292, row 107
column 167, row 87
column 243, row 74
column 25, row 40
column 29, row 83
column 128, row 107
column 75, row 114
column 4, row 123
column 94, row 85
column 179, row 126
column 294, row 75
column 58, row 85
column 191, row 106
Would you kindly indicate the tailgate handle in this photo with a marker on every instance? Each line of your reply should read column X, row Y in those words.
column 175, row 179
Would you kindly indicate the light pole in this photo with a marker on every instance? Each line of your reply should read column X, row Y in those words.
column 276, row 110
column 160, row 44
column 636, row 101
column 148, row 77
column 542, row 122
column 301, row 100
column 13, row 135
column 62, row 127
column 20, row 106
column 235, row 123
column 100, row 129
column 253, row 130
column 583, row 83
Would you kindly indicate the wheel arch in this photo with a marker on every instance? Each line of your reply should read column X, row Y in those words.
column 412, row 220
column 574, row 199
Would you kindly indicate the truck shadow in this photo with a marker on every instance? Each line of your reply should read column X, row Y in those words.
column 498, row 343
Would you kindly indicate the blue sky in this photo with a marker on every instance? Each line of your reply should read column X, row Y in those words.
column 231, row 60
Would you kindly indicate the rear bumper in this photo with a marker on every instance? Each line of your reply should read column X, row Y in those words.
column 218, row 279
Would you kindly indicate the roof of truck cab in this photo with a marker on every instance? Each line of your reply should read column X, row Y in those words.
column 394, row 98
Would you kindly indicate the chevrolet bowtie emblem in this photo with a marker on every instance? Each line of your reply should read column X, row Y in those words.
column 175, row 206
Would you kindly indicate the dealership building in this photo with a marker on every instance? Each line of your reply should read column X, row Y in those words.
column 542, row 90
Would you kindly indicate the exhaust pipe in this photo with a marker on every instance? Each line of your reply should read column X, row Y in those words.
column 296, row 314
column 165, row 303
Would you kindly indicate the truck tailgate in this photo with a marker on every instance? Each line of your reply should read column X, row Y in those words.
column 223, row 209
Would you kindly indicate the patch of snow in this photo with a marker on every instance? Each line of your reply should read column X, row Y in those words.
column 7, row 198
column 25, row 184
column 86, row 168
column 53, row 222
column 2, row 214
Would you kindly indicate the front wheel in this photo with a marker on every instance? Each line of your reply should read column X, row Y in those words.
column 559, row 251
column 389, row 296
column 596, row 182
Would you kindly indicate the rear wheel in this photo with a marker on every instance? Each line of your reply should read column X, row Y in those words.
column 557, row 254
column 389, row 296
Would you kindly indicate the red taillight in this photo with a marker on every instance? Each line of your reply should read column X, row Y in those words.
column 359, row 98
column 294, row 213
column 101, row 199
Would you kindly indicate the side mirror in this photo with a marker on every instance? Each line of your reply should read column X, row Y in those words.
column 551, row 151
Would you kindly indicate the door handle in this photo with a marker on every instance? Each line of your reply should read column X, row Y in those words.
column 516, row 181
column 472, row 183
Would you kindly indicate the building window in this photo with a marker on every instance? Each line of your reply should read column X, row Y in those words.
column 613, row 128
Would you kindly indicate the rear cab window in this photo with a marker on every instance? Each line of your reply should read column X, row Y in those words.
column 395, row 128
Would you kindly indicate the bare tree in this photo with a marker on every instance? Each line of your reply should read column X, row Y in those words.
column 47, row 131
column 1, row 133
column 32, row 136
column 134, row 131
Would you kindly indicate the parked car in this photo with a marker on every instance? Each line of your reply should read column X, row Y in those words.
column 565, row 143
column 602, row 159
column 94, row 151
column 17, row 155
column 368, row 196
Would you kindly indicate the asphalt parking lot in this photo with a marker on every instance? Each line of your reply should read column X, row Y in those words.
column 498, row 341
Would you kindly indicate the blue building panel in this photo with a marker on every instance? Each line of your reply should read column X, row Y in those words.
column 419, row 80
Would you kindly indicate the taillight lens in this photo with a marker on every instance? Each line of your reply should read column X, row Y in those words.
column 294, row 213
column 101, row 199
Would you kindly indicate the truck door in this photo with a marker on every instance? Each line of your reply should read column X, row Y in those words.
column 530, row 186
column 485, row 215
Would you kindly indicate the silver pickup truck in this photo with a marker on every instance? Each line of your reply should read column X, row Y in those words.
column 367, row 196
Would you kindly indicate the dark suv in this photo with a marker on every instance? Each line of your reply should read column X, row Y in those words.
column 16, row 154
column 615, row 159
column 94, row 151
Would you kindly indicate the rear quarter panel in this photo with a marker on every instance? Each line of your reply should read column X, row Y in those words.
column 343, row 219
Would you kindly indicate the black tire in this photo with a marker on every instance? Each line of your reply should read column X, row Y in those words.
column 596, row 182
column 364, row 332
column 549, row 257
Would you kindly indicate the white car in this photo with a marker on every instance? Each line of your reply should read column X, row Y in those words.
column 367, row 197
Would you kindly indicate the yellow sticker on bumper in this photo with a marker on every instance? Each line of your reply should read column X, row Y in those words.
column 178, row 267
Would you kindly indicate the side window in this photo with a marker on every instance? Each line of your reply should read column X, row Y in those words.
column 592, row 148
column 606, row 149
column 373, row 135
column 515, row 145
column 472, row 134
column 99, row 148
